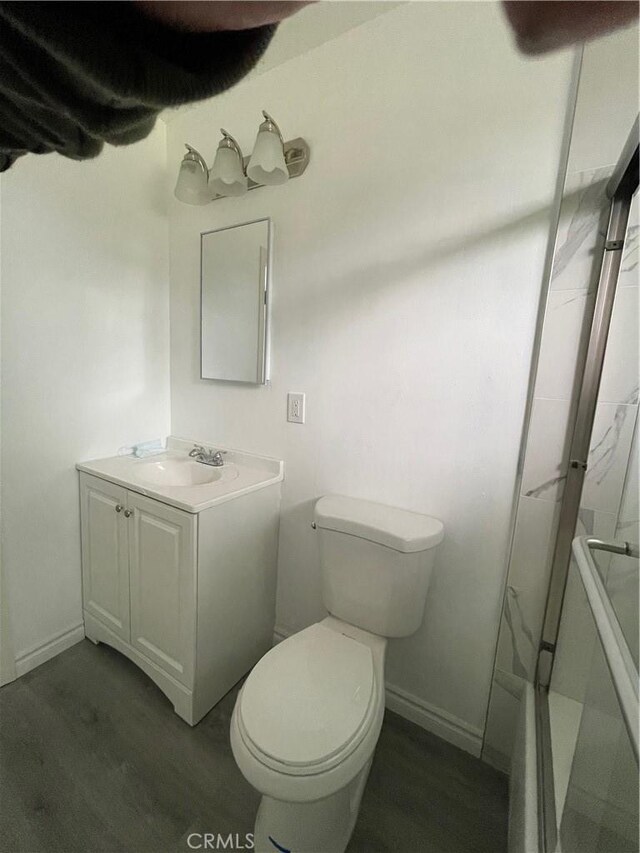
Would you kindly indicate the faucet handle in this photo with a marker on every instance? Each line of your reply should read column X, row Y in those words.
column 196, row 450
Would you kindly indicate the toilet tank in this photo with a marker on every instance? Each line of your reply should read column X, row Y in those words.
column 376, row 563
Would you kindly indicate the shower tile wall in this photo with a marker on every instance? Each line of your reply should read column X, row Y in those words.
column 569, row 305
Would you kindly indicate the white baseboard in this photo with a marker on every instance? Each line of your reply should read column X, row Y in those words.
column 434, row 720
column 427, row 716
column 496, row 759
column 280, row 634
column 26, row 661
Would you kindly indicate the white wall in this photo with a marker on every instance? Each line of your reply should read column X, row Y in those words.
column 607, row 100
column 85, row 328
column 406, row 275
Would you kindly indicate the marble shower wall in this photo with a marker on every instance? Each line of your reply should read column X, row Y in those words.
column 568, row 310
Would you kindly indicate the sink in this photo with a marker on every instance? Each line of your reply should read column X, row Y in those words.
column 180, row 481
column 179, row 472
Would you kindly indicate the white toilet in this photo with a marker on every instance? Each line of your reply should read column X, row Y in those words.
column 307, row 720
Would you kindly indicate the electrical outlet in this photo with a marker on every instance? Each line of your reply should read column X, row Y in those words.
column 295, row 407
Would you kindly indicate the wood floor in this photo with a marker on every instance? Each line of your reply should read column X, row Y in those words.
column 94, row 759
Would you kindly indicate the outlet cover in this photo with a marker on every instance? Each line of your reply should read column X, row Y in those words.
column 295, row 407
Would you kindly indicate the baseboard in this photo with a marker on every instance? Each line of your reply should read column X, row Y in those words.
column 423, row 714
column 43, row 652
column 434, row 720
column 280, row 634
column 496, row 759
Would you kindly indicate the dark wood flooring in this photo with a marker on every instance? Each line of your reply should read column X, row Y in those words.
column 93, row 758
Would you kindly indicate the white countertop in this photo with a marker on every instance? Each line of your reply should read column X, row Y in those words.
column 241, row 473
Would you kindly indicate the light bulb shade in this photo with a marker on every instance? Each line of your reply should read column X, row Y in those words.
column 267, row 164
column 227, row 176
column 191, row 186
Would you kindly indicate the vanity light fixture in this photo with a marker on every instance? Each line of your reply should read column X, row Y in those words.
column 272, row 162
column 191, row 186
column 227, row 175
column 267, row 164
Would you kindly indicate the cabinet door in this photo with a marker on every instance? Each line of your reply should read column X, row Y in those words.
column 105, row 553
column 162, row 579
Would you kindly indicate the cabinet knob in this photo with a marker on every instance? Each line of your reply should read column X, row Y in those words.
column 118, row 508
column 128, row 513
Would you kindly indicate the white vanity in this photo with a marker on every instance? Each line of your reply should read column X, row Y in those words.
column 179, row 566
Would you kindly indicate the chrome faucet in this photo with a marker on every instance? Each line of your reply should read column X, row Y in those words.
column 207, row 457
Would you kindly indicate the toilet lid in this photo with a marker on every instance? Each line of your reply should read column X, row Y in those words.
column 308, row 698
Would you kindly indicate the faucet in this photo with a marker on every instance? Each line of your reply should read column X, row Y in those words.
column 207, row 457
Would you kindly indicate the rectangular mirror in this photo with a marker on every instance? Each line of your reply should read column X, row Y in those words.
column 235, row 272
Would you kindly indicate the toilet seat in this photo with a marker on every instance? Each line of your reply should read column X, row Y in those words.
column 309, row 702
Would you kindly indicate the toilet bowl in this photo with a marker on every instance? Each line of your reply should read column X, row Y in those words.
column 304, row 730
column 307, row 720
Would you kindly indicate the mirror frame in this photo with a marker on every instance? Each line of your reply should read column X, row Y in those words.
column 264, row 330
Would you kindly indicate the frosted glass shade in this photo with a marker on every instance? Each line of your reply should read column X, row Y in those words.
column 227, row 177
column 191, row 186
column 267, row 165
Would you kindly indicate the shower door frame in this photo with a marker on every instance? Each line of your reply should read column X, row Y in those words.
column 620, row 190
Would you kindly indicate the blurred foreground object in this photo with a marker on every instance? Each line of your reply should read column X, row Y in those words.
column 544, row 25
column 216, row 15
column 77, row 75
column 74, row 76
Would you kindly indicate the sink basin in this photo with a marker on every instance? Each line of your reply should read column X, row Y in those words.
column 180, row 481
column 179, row 472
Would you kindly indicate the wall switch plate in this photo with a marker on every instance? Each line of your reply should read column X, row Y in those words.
column 295, row 407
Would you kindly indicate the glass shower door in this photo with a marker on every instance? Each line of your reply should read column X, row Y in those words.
column 591, row 802
column 595, row 758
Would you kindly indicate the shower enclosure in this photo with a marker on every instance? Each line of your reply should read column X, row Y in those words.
column 575, row 773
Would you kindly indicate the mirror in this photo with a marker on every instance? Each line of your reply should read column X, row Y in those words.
column 235, row 272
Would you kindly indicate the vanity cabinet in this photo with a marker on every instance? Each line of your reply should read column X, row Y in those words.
column 162, row 578
column 105, row 554
column 189, row 597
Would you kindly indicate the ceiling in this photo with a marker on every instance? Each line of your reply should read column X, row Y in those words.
column 309, row 28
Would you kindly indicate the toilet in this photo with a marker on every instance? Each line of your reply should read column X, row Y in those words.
column 307, row 720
